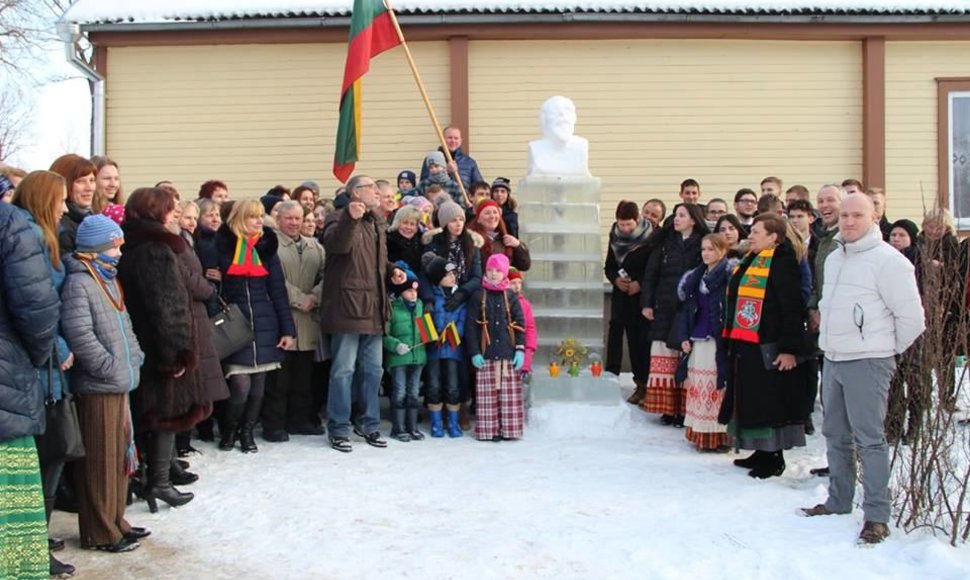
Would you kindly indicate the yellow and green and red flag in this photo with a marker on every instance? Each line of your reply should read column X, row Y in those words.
column 450, row 335
column 371, row 33
column 426, row 328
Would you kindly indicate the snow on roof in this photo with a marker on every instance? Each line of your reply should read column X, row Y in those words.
column 144, row 11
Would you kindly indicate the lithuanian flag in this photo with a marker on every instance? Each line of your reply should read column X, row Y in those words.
column 450, row 335
column 371, row 33
column 426, row 328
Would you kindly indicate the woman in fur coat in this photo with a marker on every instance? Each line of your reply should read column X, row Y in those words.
column 172, row 396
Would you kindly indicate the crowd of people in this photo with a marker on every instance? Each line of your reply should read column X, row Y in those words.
column 731, row 319
column 110, row 300
column 416, row 288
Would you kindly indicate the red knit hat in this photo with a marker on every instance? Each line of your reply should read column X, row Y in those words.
column 487, row 202
column 515, row 274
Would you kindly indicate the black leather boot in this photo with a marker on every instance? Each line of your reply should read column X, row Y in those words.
column 229, row 425
column 180, row 476
column 161, row 450
column 246, row 440
column 58, row 569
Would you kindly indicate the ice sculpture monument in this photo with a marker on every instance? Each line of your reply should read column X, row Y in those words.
column 559, row 213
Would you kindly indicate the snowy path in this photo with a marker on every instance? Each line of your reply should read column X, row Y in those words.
column 591, row 493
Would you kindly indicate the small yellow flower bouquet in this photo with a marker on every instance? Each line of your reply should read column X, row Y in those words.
column 572, row 354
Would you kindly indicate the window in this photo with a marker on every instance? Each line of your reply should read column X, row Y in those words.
column 954, row 148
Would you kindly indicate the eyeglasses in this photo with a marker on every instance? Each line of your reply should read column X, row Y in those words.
column 371, row 186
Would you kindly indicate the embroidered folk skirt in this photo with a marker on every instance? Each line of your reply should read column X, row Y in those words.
column 499, row 408
column 23, row 527
column 703, row 399
column 664, row 396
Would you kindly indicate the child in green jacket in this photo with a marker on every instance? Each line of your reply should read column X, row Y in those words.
column 404, row 344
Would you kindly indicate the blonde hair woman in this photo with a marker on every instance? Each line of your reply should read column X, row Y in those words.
column 252, row 278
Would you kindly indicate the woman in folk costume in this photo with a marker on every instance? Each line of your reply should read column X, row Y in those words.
column 99, row 332
column 676, row 250
column 495, row 332
column 699, row 326
column 766, row 401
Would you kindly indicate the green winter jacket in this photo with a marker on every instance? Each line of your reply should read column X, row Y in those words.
column 826, row 245
column 402, row 329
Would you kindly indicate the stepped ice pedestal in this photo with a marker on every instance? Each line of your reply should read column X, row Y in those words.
column 603, row 390
column 559, row 217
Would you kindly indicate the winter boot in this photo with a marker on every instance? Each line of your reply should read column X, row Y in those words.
column 774, row 466
column 411, row 425
column 398, row 430
column 454, row 429
column 161, row 450
column 754, row 460
column 229, row 424
column 180, row 476
column 246, row 441
column 437, row 429
column 638, row 394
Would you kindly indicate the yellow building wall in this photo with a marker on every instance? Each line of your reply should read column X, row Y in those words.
column 911, row 120
column 726, row 113
column 258, row 115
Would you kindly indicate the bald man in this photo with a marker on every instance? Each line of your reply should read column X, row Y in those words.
column 870, row 312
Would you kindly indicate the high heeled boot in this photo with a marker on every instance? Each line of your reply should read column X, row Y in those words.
column 229, row 425
column 246, row 440
column 160, row 452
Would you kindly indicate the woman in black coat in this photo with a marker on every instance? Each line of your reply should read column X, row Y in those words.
column 626, row 260
column 676, row 250
column 404, row 238
column 172, row 395
column 767, row 398
column 252, row 278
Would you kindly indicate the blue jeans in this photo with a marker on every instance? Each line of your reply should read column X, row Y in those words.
column 407, row 381
column 443, row 376
column 355, row 376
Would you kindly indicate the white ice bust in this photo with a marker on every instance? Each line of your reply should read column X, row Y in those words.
column 559, row 152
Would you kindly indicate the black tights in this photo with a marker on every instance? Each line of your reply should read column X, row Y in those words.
column 248, row 390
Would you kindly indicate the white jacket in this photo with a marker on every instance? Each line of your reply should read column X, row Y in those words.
column 870, row 306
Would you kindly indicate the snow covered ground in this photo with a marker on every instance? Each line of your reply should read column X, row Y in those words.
column 592, row 492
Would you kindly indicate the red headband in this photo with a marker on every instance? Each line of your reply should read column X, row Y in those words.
column 486, row 203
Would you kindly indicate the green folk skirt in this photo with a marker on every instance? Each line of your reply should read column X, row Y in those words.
column 23, row 526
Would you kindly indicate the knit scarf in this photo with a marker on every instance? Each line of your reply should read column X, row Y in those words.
column 501, row 286
column 746, row 316
column 245, row 259
column 439, row 178
column 103, row 269
column 623, row 244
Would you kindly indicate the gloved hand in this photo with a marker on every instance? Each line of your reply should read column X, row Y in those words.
column 518, row 360
column 478, row 361
column 456, row 300
column 401, row 348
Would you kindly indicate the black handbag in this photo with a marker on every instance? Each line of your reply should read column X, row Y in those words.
column 61, row 441
column 231, row 330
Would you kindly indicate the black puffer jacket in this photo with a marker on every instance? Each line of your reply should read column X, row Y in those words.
column 67, row 231
column 401, row 248
column 263, row 300
column 672, row 257
column 29, row 313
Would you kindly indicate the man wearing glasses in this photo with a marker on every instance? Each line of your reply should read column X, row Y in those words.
column 745, row 207
column 354, row 309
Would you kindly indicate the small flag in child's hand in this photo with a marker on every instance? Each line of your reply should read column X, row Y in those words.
column 450, row 335
column 426, row 328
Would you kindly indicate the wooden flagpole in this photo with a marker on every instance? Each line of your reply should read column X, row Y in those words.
column 424, row 96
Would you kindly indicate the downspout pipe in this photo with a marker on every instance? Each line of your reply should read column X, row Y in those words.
column 70, row 34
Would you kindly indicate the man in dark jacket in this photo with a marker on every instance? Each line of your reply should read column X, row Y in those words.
column 356, row 307
column 463, row 168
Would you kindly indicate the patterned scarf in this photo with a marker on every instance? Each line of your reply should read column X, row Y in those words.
column 623, row 244
column 245, row 259
column 746, row 317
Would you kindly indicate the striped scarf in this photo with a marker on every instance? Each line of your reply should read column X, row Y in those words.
column 245, row 259
column 746, row 316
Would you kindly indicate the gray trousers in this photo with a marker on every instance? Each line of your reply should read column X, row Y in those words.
column 854, row 399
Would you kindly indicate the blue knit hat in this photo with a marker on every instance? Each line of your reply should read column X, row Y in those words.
column 98, row 233
column 409, row 175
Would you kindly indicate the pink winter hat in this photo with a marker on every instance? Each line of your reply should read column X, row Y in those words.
column 498, row 262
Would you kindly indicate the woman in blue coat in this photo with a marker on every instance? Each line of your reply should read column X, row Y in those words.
column 41, row 198
column 29, row 312
column 252, row 278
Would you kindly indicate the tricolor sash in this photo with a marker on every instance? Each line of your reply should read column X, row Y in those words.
column 751, row 298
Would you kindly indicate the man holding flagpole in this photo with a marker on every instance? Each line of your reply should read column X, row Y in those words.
column 356, row 308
